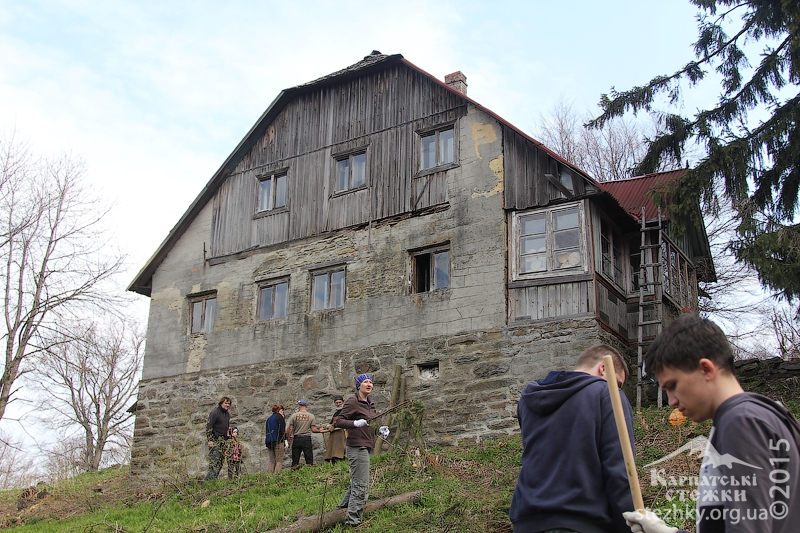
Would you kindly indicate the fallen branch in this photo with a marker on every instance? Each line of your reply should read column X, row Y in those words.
column 319, row 522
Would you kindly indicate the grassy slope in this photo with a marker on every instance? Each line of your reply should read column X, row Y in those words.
column 465, row 489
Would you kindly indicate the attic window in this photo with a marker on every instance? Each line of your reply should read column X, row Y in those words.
column 271, row 192
column 437, row 148
column 351, row 171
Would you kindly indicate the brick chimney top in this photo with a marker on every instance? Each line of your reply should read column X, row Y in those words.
column 457, row 81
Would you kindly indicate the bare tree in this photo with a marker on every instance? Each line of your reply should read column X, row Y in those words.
column 606, row 154
column 17, row 467
column 89, row 381
column 54, row 257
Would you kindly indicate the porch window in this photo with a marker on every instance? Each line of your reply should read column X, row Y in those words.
column 548, row 241
column 611, row 251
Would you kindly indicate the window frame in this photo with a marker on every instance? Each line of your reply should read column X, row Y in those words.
column 616, row 243
column 329, row 273
column 202, row 299
column 431, row 253
column 272, row 178
column 272, row 284
column 549, row 235
column 349, row 156
column 436, row 132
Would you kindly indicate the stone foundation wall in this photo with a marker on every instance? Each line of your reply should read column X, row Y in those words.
column 469, row 383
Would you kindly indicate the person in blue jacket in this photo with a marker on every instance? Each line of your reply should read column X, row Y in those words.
column 573, row 476
column 275, row 439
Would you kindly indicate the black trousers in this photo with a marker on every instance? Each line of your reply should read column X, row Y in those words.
column 302, row 443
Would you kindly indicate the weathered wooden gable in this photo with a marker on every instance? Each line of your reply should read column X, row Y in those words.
column 380, row 112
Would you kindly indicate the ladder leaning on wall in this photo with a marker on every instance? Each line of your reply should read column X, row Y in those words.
column 650, row 281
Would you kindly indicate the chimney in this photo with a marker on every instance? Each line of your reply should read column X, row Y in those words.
column 457, row 81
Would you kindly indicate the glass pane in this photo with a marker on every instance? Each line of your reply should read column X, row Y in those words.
column 281, row 294
column 264, row 191
column 532, row 224
column 197, row 317
column 337, row 289
column 280, row 191
column 265, row 304
column 568, row 259
column 530, row 245
column 320, row 289
column 342, row 174
column 618, row 273
column 211, row 313
column 359, row 169
column 428, row 152
column 446, row 147
column 441, row 272
column 566, row 181
column 565, row 219
column 533, row 263
column 567, row 239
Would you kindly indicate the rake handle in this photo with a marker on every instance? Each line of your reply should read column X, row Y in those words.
column 622, row 431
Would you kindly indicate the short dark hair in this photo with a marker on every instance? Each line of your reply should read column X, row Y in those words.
column 687, row 340
column 224, row 399
column 593, row 355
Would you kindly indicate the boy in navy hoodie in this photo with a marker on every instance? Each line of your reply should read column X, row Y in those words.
column 573, row 474
column 750, row 477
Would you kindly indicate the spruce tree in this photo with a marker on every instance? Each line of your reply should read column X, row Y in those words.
column 754, row 166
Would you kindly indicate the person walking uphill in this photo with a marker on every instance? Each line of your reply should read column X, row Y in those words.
column 275, row 439
column 299, row 428
column 355, row 416
column 219, row 420
column 573, row 476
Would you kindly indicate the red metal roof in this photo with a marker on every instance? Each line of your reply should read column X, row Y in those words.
column 634, row 193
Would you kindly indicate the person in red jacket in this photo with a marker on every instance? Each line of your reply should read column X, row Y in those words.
column 356, row 413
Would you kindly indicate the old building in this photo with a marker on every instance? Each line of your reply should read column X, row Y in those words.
column 379, row 220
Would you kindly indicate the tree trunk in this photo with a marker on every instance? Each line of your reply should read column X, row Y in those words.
column 321, row 521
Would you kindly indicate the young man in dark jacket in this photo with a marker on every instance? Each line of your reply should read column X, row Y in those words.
column 750, row 477
column 219, row 420
column 355, row 416
column 573, row 474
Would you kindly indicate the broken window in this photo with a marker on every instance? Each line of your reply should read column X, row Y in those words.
column 548, row 240
column 327, row 290
column 611, row 252
column 430, row 269
column 204, row 311
column 437, row 148
column 272, row 300
column 351, row 171
column 271, row 192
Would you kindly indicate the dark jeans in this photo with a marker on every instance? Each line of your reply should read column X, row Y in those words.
column 302, row 443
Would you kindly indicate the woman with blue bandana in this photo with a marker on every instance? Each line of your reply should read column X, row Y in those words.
column 355, row 416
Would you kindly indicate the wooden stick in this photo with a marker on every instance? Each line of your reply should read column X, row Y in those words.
column 622, row 431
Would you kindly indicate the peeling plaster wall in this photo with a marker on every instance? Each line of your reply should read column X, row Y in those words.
column 482, row 364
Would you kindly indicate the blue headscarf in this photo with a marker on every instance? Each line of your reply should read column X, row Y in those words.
column 361, row 378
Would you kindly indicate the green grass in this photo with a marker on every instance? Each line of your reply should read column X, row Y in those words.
column 465, row 489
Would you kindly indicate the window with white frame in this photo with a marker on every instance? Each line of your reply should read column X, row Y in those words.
column 204, row 311
column 611, row 252
column 548, row 241
column 430, row 269
column 327, row 289
column 351, row 171
column 437, row 148
column 271, row 192
column 272, row 299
